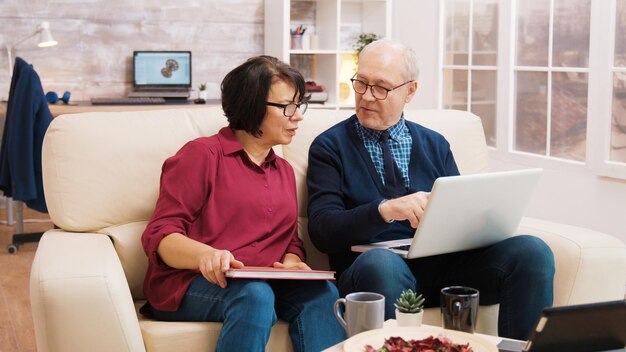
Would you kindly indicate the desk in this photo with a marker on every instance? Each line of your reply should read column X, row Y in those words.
column 86, row 106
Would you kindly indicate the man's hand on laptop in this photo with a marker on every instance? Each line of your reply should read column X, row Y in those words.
column 410, row 207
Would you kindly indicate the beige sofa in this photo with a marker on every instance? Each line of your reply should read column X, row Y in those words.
column 101, row 177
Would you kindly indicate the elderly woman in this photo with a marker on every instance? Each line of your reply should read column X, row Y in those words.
column 227, row 201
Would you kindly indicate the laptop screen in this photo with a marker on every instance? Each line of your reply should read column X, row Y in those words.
column 162, row 69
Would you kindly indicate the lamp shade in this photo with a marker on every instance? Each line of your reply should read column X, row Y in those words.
column 45, row 40
column 45, row 37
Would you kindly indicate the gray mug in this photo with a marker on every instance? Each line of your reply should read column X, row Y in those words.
column 459, row 308
column 362, row 311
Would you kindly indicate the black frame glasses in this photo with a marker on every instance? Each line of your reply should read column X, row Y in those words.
column 378, row 92
column 290, row 109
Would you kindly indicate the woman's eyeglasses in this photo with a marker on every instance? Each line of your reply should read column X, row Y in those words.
column 290, row 109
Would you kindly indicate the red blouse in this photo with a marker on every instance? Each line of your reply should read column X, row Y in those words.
column 212, row 192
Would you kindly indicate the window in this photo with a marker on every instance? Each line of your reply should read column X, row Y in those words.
column 549, row 86
column 551, row 77
column 470, row 59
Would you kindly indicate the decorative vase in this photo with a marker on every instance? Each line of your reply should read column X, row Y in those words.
column 409, row 319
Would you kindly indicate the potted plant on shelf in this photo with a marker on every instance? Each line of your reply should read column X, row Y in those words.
column 362, row 41
column 409, row 308
column 202, row 93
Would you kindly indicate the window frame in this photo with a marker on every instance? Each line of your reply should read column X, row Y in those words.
column 600, row 121
column 599, row 92
column 470, row 66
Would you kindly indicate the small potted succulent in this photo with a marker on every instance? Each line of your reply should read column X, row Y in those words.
column 409, row 308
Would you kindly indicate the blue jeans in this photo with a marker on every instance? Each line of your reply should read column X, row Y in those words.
column 517, row 273
column 249, row 309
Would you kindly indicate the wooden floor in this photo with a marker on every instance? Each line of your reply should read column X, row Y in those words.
column 16, row 323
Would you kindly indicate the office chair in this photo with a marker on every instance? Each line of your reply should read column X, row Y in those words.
column 27, row 119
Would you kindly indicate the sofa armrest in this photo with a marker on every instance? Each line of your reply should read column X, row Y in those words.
column 79, row 295
column 590, row 265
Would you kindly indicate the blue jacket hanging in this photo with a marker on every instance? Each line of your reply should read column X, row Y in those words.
column 27, row 119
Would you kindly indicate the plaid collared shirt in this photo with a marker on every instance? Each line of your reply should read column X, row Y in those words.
column 400, row 143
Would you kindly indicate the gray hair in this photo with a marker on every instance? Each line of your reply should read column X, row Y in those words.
column 410, row 59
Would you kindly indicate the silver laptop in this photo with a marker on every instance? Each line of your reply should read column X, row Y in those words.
column 467, row 212
column 161, row 74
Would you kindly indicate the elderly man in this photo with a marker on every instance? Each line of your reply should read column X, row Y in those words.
column 369, row 180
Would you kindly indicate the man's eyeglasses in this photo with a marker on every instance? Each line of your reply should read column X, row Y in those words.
column 378, row 92
column 290, row 109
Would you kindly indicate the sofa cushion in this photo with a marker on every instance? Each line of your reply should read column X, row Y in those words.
column 198, row 337
column 127, row 243
column 463, row 130
column 296, row 153
column 191, row 337
column 314, row 258
column 114, row 178
column 582, row 258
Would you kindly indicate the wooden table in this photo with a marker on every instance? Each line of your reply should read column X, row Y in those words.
column 392, row 322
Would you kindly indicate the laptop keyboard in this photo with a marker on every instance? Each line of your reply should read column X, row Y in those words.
column 128, row 101
column 404, row 247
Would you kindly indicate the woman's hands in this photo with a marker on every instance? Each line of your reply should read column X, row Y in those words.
column 291, row 261
column 181, row 252
column 215, row 263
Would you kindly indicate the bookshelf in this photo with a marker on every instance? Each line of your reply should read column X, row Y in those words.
column 332, row 26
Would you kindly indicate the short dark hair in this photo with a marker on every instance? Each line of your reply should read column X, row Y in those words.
column 246, row 87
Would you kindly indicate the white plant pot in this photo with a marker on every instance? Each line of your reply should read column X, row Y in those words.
column 409, row 319
column 202, row 94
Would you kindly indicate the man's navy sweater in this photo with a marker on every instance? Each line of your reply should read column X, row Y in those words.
column 345, row 190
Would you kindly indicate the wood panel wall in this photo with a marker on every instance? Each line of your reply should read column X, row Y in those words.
column 97, row 37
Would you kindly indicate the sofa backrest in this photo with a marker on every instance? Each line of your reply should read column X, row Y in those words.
column 101, row 170
column 462, row 129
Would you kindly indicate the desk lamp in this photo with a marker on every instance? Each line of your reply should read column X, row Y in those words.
column 45, row 40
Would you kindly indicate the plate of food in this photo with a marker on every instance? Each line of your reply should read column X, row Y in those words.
column 417, row 339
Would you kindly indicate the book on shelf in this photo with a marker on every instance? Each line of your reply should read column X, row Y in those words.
column 317, row 93
column 318, row 97
column 262, row 272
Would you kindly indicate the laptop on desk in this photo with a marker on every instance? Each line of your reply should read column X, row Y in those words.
column 161, row 74
column 467, row 212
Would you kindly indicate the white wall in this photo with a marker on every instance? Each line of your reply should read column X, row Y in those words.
column 97, row 37
column 575, row 196
column 567, row 194
column 415, row 24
